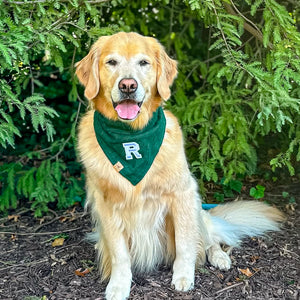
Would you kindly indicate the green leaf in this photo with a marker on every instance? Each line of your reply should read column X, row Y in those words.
column 236, row 185
column 257, row 192
column 219, row 197
column 285, row 194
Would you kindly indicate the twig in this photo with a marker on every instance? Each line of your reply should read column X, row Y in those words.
column 5, row 219
column 31, row 79
column 48, row 223
column 254, row 30
column 209, row 59
column 170, row 26
column 6, row 263
column 248, row 20
column 7, row 251
column 73, row 215
column 81, row 101
column 72, row 24
column 229, row 287
column 55, row 24
column 25, row 264
column 97, row 1
column 220, row 27
column 40, row 233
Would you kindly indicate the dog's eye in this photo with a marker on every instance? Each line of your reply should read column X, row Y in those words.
column 143, row 63
column 112, row 62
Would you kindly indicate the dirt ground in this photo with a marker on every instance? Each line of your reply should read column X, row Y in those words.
column 32, row 268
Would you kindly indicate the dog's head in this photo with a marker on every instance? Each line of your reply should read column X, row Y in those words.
column 127, row 76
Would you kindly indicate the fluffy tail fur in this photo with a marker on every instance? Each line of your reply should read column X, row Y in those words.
column 230, row 223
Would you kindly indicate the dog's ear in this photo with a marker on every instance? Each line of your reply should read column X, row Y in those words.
column 87, row 70
column 166, row 72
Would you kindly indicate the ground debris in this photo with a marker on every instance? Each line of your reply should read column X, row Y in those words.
column 263, row 268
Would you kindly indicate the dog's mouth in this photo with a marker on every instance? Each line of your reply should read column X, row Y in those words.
column 127, row 109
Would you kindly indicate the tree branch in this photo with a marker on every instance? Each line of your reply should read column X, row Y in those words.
column 252, row 29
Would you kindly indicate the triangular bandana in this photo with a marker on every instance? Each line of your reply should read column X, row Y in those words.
column 130, row 151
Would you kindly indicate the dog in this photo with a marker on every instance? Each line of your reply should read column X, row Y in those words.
column 143, row 199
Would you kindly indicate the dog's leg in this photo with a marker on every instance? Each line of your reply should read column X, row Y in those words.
column 116, row 249
column 218, row 258
column 119, row 284
column 188, row 244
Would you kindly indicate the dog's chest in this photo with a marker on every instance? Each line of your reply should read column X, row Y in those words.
column 147, row 237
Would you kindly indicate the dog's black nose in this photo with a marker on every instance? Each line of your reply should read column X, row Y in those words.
column 128, row 85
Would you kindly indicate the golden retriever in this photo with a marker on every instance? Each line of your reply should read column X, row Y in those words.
column 158, row 217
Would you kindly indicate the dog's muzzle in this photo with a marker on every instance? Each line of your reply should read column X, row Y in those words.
column 128, row 107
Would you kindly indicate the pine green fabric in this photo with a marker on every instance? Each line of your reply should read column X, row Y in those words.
column 130, row 151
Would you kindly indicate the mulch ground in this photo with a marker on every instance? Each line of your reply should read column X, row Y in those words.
column 31, row 268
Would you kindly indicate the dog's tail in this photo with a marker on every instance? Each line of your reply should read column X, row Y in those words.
column 230, row 223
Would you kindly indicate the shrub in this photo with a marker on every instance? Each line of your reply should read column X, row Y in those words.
column 237, row 88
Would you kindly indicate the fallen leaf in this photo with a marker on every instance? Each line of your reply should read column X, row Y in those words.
column 13, row 237
column 58, row 242
column 246, row 272
column 78, row 272
column 14, row 217
column 254, row 258
column 63, row 219
column 72, row 211
column 42, row 220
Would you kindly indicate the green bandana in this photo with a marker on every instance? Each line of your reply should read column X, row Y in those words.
column 130, row 151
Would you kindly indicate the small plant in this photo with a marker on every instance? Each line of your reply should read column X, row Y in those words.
column 219, row 197
column 228, row 189
column 287, row 196
column 257, row 192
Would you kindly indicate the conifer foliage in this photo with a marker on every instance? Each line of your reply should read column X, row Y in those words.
column 236, row 95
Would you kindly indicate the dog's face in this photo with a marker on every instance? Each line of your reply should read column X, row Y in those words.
column 127, row 76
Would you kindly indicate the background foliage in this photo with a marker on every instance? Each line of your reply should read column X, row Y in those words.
column 236, row 95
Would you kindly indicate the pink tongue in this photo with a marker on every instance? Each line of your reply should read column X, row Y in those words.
column 127, row 110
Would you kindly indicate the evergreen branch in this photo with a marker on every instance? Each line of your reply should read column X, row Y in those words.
column 224, row 37
column 210, row 59
column 72, row 24
column 254, row 30
column 62, row 20
column 220, row 27
column 244, row 17
column 47, row 1
column 69, row 137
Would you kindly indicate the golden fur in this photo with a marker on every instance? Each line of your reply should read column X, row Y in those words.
column 160, row 219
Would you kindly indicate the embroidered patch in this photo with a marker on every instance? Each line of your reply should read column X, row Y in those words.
column 118, row 166
column 132, row 148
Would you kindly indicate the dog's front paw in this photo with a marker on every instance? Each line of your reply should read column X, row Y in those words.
column 117, row 291
column 183, row 273
column 183, row 284
column 219, row 259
